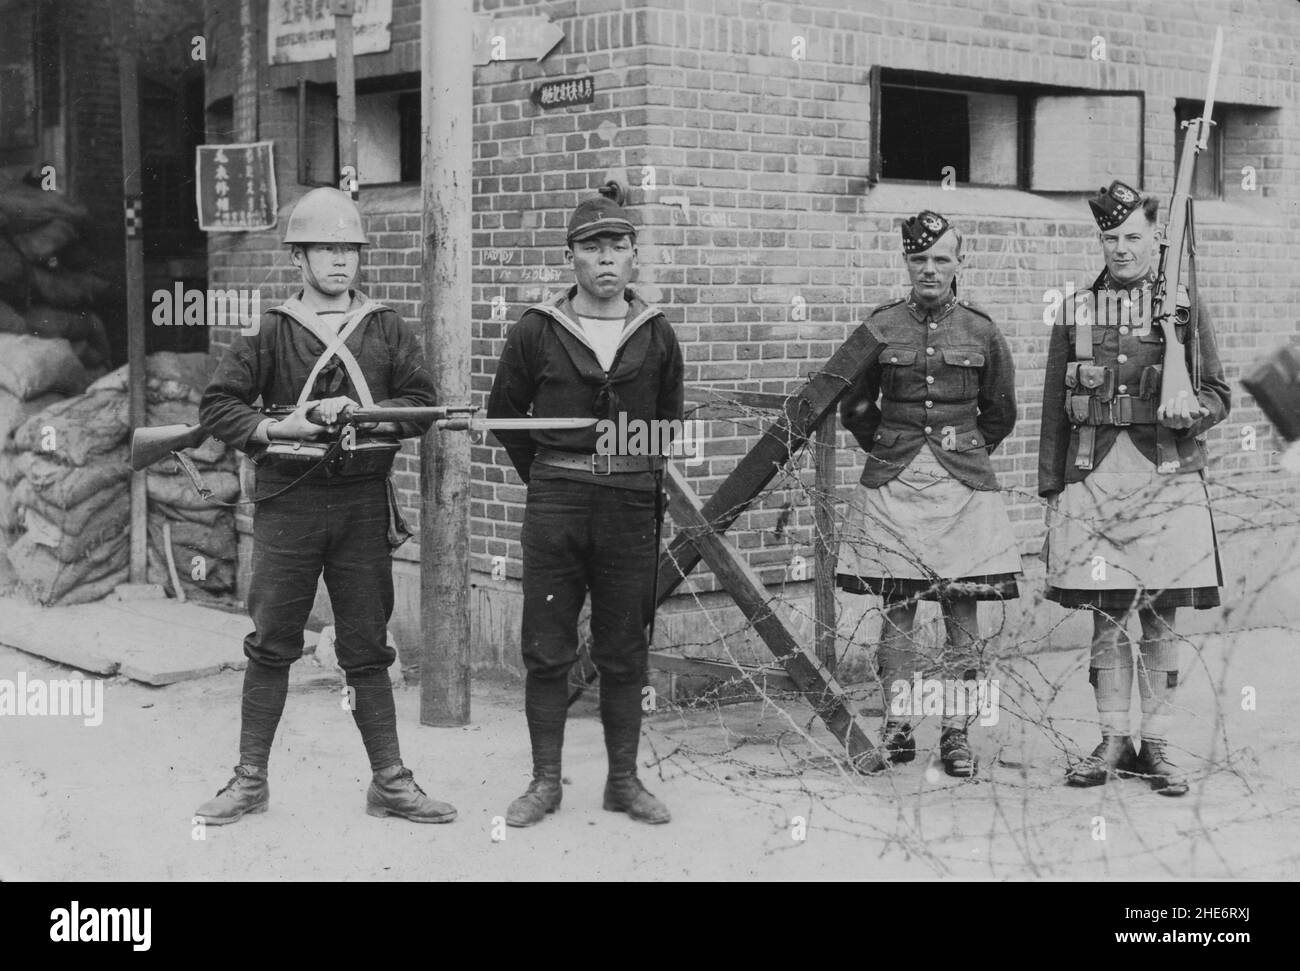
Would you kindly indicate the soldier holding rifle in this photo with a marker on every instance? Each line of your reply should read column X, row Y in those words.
column 321, row 507
column 1121, row 460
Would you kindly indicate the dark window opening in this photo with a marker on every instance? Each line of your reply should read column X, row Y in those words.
column 923, row 133
column 940, row 129
column 387, row 131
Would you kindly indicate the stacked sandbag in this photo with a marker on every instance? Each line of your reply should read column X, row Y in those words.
column 71, row 494
column 47, row 288
column 203, row 538
column 71, row 499
column 34, row 374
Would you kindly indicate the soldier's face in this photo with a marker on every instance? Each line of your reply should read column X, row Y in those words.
column 933, row 270
column 1129, row 247
column 603, row 265
column 329, row 267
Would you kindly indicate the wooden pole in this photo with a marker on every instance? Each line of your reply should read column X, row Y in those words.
column 345, row 79
column 124, row 40
column 446, row 56
column 824, row 455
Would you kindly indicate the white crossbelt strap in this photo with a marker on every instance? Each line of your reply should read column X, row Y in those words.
column 334, row 346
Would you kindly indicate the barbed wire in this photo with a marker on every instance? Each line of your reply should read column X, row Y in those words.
column 772, row 751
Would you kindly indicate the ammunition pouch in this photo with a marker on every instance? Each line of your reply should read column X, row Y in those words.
column 345, row 456
column 364, row 457
column 1122, row 410
column 1150, row 383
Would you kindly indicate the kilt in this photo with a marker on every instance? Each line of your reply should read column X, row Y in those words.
column 927, row 535
column 1154, row 533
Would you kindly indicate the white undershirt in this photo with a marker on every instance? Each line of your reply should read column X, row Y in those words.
column 603, row 334
column 334, row 318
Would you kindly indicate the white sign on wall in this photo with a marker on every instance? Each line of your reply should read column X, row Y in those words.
column 303, row 30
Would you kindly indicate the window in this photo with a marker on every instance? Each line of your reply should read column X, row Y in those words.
column 928, row 127
column 388, row 133
column 1207, row 183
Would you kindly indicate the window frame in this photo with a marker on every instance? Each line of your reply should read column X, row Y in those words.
column 1025, row 93
column 395, row 84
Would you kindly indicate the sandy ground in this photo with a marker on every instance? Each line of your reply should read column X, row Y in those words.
column 744, row 782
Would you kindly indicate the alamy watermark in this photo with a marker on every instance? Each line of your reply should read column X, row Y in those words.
column 77, row 697
column 75, row 924
column 1104, row 308
column 673, row 437
column 972, row 698
column 183, row 306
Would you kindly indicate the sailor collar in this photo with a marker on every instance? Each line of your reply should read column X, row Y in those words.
column 561, row 311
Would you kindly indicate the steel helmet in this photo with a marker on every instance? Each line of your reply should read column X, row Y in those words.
column 325, row 215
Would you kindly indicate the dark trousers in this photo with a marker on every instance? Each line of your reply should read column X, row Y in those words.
column 580, row 537
column 342, row 530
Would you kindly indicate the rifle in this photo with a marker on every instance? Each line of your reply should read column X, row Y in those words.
column 1174, row 243
column 150, row 445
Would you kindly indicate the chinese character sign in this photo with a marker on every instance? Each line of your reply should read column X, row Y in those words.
column 303, row 30
column 564, row 94
column 236, row 187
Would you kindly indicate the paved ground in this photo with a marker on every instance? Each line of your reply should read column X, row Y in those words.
column 114, row 802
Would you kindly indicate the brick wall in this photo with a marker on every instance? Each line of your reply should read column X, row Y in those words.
column 767, row 156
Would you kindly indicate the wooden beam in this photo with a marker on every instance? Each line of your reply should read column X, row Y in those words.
column 446, row 28
column 124, row 36
column 784, row 437
column 736, row 396
column 818, row 685
column 824, row 465
column 765, row 677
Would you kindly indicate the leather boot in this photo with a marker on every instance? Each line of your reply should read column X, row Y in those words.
column 393, row 792
column 546, row 707
column 626, row 794
column 897, row 743
column 954, row 750
column 542, row 796
column 1115, row 756
column 1153, row 763
column 620, row 713
column 247, row 792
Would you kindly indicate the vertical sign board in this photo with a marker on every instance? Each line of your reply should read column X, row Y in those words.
column 303, row 30
column 236, row 187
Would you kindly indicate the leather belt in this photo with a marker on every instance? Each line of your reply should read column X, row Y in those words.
column 1122, row 410
column 596, row 463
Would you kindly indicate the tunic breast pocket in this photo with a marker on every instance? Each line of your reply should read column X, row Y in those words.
column 895, row 362
column 962, row 373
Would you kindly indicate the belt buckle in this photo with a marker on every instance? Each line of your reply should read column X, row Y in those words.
column 609, row 464
column 1121, row 410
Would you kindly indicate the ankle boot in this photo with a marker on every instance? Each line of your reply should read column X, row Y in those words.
column 626, row 794
column 542, row 796
column 546, row 707
column 247, row 792
column 954, row 750
column 897, row 744
column 620, row 713
column 1154, row 764
column 1113, row 757
column 393, row 792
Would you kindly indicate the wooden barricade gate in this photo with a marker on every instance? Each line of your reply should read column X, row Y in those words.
column 809, row 412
